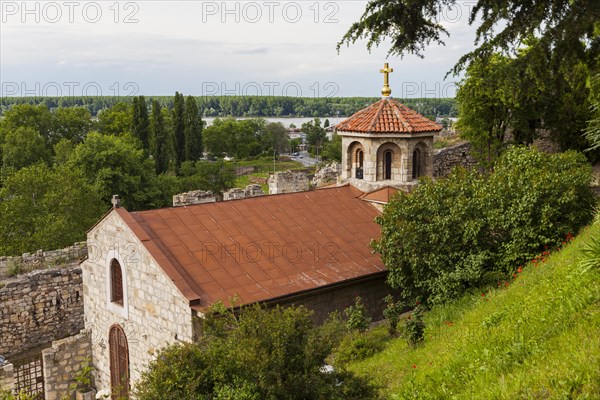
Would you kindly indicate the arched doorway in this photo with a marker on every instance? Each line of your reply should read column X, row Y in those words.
column 387, row 164
column 119, row 363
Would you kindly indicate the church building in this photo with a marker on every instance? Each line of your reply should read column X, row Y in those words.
column 150, row 275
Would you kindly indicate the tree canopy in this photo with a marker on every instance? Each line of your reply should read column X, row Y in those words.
column 569, row 27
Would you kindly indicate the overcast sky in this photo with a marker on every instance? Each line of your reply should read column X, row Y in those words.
column 209, row 47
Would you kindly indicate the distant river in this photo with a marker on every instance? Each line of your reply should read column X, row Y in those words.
column 285, row 121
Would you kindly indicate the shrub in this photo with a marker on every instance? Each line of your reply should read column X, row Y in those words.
column 448, row 235
column 257, row 354
column 391, row 313
column 357, row 316
column 414, row 327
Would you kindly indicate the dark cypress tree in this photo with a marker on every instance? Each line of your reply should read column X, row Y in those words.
column 178, row 130
column 193, row 131
column 159, row 144
column 140, row 121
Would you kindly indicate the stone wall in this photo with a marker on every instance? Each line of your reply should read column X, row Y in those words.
column 327, row 175
column 43, row 259
column 288, row 182
column 154, row 313
column 39, row 307
column 193, row 197
column 444, row 160
column 62, row 362
column 237, row 193
column 7, row 380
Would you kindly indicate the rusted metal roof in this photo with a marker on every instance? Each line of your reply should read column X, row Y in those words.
column 388, row 116
column 382, row 195
column 261, row 248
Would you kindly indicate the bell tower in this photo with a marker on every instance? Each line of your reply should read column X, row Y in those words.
column 386, row 144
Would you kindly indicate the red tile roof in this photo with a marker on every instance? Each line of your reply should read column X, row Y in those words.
column 388, row 115
column 261, row 248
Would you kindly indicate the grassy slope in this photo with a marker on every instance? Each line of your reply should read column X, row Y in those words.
column 538, row 338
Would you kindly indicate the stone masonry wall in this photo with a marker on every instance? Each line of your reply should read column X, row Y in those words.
column 39, row 307
column 288, row 182
column 43, row 259
column 252, row 190
column 7, row 379
column 62, row 362
column 444, row 160
column 193, row 197
column 154, row 313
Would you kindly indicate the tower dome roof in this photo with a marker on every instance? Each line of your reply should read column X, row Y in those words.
column 388, row 115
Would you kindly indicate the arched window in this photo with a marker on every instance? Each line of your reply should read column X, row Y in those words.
column 387, row 164
column 359, row 164
column 416, row 172
column 116, row 282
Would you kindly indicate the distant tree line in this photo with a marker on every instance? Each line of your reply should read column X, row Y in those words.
column 244, row 106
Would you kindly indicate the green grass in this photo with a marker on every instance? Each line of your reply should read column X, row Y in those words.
column 266, row 163
column 265, row 166
column 538, row 338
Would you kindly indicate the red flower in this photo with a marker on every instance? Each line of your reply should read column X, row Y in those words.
column 414, row 366
column 520, row 270
column 514, row 275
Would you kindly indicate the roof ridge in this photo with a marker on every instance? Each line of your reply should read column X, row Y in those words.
column 376, row 117
column 396, row 109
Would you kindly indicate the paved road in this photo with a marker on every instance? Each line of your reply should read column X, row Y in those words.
column 306, row 159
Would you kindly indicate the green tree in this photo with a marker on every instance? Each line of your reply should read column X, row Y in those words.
column 28, row 116
column 178, row 132
column 116, row 165
column 568, row 27
column 159, row 143
column 116, row 120
column 274, row 138
column 44, row 208
column 284, row 348
column 216, row 176
column 22, row 147
column 484, row 108
column 332, row 150
column 192, row 131
column 315, row 134
column 140, row 122
column 72, row 123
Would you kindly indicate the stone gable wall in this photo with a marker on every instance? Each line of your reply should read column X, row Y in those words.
column 39, row 307
column 155, row 312
column 62, row 362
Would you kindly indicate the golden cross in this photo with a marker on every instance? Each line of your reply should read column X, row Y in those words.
column 386, row 90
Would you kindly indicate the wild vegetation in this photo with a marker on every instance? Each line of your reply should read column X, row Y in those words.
column 470, row 229
column 254, row 354
column 533, row 334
